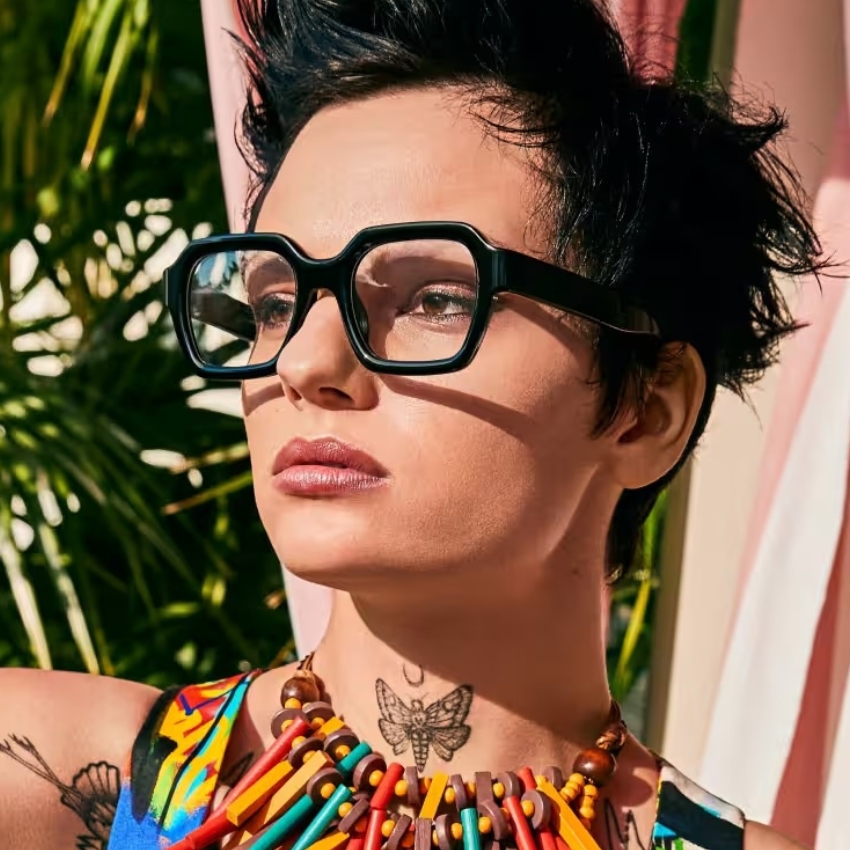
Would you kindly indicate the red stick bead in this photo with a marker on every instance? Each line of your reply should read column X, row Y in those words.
column 526, row 776
column 386, row 789
column 547, row 840
column 276, row 753
column 374, row 838
column 212, row 830
column 523, row 834
column 560, row 843
column 354, row 843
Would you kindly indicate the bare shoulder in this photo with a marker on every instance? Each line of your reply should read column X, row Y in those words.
column 64, row 741
column 757, row 836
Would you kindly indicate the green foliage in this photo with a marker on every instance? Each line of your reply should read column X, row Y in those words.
column 108, row 164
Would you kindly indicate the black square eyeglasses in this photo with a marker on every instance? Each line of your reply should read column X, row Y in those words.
column 415, row 298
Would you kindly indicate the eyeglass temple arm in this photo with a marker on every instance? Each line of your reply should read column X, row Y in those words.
column 223, row 312
column 566, row 290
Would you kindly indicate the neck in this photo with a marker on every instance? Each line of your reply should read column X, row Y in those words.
column 526, row 674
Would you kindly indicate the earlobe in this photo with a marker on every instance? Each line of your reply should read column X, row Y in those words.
column 652, row 440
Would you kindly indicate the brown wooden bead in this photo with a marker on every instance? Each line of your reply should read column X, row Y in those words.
column 457, row 784
column 298, row 752
column 365, row 768
column 490, row 809
column 555, row 775
column 595, row 765
column 282, row 716
column 483, row 789
column 300, row 688
column 402, row 825
column 342, row 737
column 360, row 809
column 422, row 834
column 443, row 827
column 414, row 796
column 542, row 815
column 319, row 780
column 318, row 711
column 510, row 781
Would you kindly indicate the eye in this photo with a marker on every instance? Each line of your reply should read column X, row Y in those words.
column 274, row 311
column 442, row 303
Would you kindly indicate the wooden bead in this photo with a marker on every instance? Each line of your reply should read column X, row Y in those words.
column 541, row 814
column 316, row 785
column 302, row 688
column 284, row 718
column 460, row 792
column 555, row 775
column 298, row 753
column 498, row 822
column 595, row 765
column 400, row 830
column 443, row 826
column 511, row 785
column 414, row 796
column 318, row 711
column 483, row 788
column 358, row 811
column 361, row 778
column 342, row 737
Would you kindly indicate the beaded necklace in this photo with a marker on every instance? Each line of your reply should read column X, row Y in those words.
column 320, row 778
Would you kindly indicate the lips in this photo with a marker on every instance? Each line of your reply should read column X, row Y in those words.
column 326, row 452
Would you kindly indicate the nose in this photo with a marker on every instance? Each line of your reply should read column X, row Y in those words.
column 319, row 367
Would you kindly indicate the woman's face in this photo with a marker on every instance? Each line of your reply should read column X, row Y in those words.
column 487, row 468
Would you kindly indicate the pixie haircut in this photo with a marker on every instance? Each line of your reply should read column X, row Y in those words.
column 650, row 184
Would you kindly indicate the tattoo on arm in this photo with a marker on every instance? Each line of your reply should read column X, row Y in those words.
column 621, row 837
column 439, row 726
column 237, row 770
column 92, row 794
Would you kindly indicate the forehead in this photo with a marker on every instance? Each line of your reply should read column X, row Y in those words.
column 409, row 156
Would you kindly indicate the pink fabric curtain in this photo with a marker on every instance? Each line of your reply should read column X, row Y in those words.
column 780, row 738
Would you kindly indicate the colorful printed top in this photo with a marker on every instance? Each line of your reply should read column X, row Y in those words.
column 174, row 769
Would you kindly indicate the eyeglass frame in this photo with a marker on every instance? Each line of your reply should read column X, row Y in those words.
column 499, row 270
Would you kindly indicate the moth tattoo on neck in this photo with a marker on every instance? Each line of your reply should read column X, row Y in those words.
column 439, row 726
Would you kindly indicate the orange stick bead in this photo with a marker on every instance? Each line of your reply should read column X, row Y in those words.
column 522, row 830
column 374, row 837
column 386, row 788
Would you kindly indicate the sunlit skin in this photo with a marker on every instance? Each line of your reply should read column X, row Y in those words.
column 482, row 557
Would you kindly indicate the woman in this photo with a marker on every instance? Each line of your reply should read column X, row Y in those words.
column 449, row 428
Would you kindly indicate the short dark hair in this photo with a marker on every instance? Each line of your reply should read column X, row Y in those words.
column 653, row 184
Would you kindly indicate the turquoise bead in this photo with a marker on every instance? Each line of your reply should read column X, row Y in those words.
column 471, row 836
column 274, row 834
column 326, row 814
column 347, row 764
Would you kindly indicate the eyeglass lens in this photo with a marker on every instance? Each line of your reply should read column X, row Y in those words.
column 414, row 301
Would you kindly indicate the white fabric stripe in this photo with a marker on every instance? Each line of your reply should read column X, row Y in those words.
column 761, row 687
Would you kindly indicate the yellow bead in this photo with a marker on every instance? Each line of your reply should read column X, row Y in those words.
column 316, row 724
column 449, row 796
column 577, row 778
column 387, row 828
column 586, row 812
column 327, row 790
column 591, row 791
column 401, row 788
column 527, row 808
column 470, row 788
column 286, row 724
column 313, row 754
column 498, row 790
column 434, row 840
column 298, row 741
column 375, row 778
column 484, row 825
column 570, row 791
column 425, row 784
column 457, row 831
column 342, row 751
column 292, row 702
column 344, row 809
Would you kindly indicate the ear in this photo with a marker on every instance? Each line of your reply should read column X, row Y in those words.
column 648, row 442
